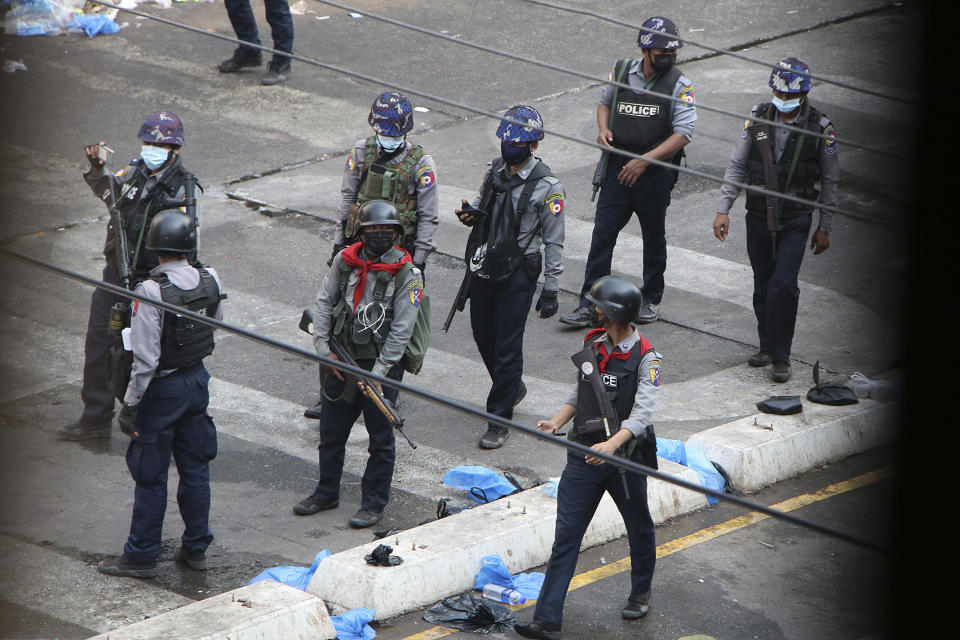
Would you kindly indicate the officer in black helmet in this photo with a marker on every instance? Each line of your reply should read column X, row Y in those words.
column 165, row 405
column 369, row 301
column 629, row 369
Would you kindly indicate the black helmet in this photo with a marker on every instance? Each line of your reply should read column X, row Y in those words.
column 172, row 231
column 619, row 299
column 379, row 212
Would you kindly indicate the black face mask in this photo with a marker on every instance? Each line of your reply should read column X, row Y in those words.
column 377, row 243
column 663, row 62
column 596, row 320
column 512, row 154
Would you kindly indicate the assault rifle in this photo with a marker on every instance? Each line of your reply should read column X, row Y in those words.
column 366, row 386
column 760, row 134
column 599, row 173
column 463, row 293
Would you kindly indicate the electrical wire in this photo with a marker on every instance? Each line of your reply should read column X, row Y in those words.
column 495, row 116
column 622, row 463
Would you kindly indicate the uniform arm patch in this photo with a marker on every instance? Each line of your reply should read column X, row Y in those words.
column 555, row 203
column 426, row 177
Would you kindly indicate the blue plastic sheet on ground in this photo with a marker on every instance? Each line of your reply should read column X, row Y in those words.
column 297, row 577
column 677, row 451
column 489, row 482
column 36, row 17
column 551, row 488
column 494, row 571
column 354, row 624
column 94, row 24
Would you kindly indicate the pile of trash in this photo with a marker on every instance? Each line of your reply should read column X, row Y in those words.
column 59, row 17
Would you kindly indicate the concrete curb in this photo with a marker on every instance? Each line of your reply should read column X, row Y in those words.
column 266, row 610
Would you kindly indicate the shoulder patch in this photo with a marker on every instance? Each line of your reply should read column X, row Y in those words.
column 687, row 95
column 351, row 163
column 555, row 203
column 121, row 172
column 134, row 308
column 425, row 176
column 415, row 292
column 830, row 140
column 655, row 373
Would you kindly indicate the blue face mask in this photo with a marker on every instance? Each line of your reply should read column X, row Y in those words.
column 389, row 144
column 154, row 157
column 512, row 154
column 786, row 106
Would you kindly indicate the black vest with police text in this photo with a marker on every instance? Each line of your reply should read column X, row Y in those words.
column 805, row 175
column 642, row 120
column 185, row 341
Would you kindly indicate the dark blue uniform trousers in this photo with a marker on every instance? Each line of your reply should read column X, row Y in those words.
column 648, row 198
column 98, row 400
column 578, row 494
column 336, row 420
column 245, row 25
column 775, row 290
column 172, row 419
column 498, row 318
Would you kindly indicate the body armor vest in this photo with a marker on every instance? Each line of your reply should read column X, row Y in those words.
column 390, row 183
column 805, row 174
column 185, row 341
column 641, row 120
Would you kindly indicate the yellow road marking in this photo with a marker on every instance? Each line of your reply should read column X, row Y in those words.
column 695, row 538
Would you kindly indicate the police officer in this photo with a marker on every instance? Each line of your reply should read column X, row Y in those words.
column 387, row 166
column 643, row 121
column 245, row 26
column 165, row 405
column 369, row 302
column 133, row 196
column 629, row 368
column 799, row 162
column 520, row 207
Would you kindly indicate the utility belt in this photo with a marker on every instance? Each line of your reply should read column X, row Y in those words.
column 592, row 432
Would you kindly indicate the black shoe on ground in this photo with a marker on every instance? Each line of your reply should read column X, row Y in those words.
column 313, row 412
column 494, row 439
column 759, row 359
column 123, row 567
column 781, row 371
column 521, row 394
column 234, row 64
column 277, row 73
column 364, row 518
column 311, row 505
column 535, row 629
column 196, row 560
column 649, row 312
column 85, row 430
column 637, row 606
column 578, row 318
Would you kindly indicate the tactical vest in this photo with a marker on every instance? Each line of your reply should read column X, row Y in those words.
column 806, row 173
column 185, row 341
column 641, row 120
column 365, row 343
column 390, row 183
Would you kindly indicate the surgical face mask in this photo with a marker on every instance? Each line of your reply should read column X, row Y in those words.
column 786, row 106
column 513, row 154
column 663, row 62
column 389, row 144
column 377, row 243
column 154, row 157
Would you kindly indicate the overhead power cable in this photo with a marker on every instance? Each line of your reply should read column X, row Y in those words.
column 489, row 114
column 622, row 23
column 436, row 398
column 622, row 85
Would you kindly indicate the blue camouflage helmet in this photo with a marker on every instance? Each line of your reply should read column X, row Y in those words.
column 668, row 38
column 512, row 132
column 391, row 115
column 162, row 127
column 790, row 75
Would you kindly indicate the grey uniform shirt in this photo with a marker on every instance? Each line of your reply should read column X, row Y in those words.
column 423, row 182
column 829, row 167
column 146, row 325
column 542, row 223
column 404, row 299
column 682, row 115
column 648, row 384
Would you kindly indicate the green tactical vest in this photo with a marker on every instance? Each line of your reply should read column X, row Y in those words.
column 390, row 184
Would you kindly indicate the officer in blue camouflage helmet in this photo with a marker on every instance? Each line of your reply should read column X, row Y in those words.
column 387, row 166
column 133, row 196
column 522, row 207
column 654, row 118
column 802, row 162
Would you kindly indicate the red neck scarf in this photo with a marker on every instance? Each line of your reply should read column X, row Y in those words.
column 592, row 336
column 351, row 255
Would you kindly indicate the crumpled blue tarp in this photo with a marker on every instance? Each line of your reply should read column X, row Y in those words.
column 467, row 477
column 494, row 571
column 94, row 24
column 297, row 577
column 551, row 488
column 354, row 624
column 678, row 451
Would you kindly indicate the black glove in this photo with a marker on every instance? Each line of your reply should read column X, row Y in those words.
column 423, row 272
column 127, row 419
column 547, row 305
column 94, row 158
column 337, row 248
